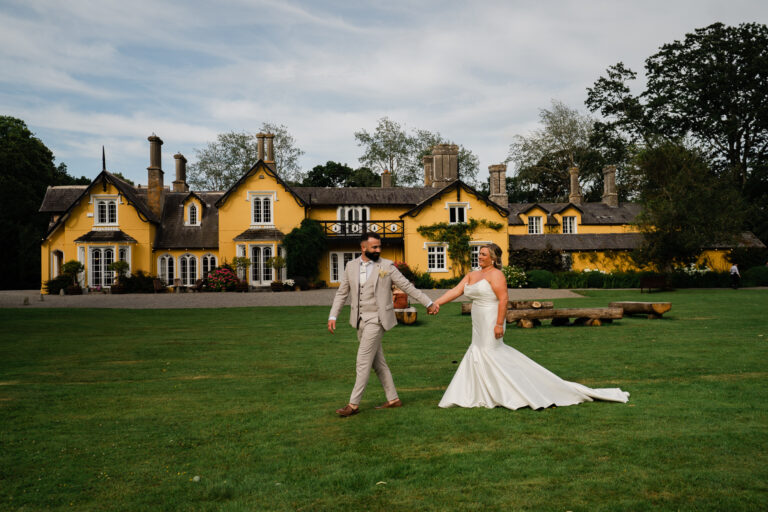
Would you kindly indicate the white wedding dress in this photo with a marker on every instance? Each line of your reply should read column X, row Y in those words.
column 494, row 374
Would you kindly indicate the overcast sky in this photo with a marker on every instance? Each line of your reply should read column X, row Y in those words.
column 83, row 74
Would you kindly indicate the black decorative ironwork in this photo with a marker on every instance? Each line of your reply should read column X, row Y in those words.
column 355, row 228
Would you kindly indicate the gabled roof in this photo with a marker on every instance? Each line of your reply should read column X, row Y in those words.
column 269, row 169
column 58, row 199
column 533, row 206
column 173, row 234
column 192, row 193
column 569, row 205
column 458, row 186
column 253, row 234
column 396, row 196
column 591, row 213
column 576, row 242
column 131, row 195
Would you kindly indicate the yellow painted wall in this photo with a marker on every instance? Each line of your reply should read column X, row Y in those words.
column 79, row 223
column 415, row 249
column 390, row 253
column 606, row 261
column 235, row 214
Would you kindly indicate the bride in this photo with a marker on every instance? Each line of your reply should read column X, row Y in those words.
column 494, row 374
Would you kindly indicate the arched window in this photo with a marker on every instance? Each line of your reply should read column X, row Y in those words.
column 192, row 215
column 101, row 259
column 101, row 212
column 106, row 211
column 188, row 269
column 255, row 263
column 165, row 270
column 209, row 263
column 262, row 209
column 266, row 253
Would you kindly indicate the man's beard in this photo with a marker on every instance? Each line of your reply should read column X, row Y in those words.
column 373, row 256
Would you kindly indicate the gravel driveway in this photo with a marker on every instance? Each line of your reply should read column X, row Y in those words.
column 20, row 298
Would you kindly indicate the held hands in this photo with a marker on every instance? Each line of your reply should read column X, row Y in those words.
column 498, row 331
column 433, row 309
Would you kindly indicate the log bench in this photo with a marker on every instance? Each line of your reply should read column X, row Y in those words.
column 652, row 309
column 466, row 307
column 406, row 316
column 561, row 316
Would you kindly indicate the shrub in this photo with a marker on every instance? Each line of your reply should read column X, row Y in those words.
column 748, row 257
column 138, row 283
column 419, row 280
column 222, row 279
column 755, row 276
column 58, row 283
column 515, row 276
column 305, row 247
column 448, row 283
column 595, row 279
column 539, row 278
column 528, row 259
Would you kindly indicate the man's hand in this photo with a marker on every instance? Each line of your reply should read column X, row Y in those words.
column 331, row 325
column 433, row 309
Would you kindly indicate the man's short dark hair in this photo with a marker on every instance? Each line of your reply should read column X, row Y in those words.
column 370, row 234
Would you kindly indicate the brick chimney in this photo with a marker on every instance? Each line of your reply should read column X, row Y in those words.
column 270, row 156
column 155, row 186
column 445, row 164
column 610, row 197
column 180, row 183
column 427, row 170
column 575, row 196
column 260, row 145
column 498, row 174
column 386, row 179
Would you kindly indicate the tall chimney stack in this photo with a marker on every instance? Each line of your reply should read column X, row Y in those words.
column 498, row 178
column 155, row 186
column 270, row 157
column 445, row 164
column 575, row 196
column 610, row 196
column 260, row 145
column 427, row 160
column 386, row 179
column 180, row 183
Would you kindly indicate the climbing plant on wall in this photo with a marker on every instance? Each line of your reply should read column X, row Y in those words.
column 457, row 236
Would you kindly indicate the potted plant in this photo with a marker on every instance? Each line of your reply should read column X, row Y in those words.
column 277, row 263
column 71, row 269
column 289, row 285
column 120, row 268
column 241, row 263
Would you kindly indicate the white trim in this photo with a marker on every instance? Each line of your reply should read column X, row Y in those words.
column 575, row 224
column 340, row 261
column 272, row 196
column 444, row 252
column 540, row 225
column 108, row 200
column 187, row 214
column 188, row 257
column 449, row 205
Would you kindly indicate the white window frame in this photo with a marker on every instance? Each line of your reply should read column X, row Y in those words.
column 474, row 248
column 107, row 200
column 359, row 215
column 188, row 220
column 439, row 251
column 569, row 224
column 454, row 209
column 127, row 249
column 103, row 269
column 336, row 257
column 210, row 261
column 260, row 196
column 534, row 225
column 162, row 269
column 258, row 272
column 191, row 277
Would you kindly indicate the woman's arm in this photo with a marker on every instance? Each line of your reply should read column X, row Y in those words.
column 454, row 293
column 499, row 286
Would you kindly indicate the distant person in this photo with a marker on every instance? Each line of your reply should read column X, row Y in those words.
column 735, row 276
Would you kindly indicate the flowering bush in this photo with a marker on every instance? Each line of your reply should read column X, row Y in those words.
column 516, row 277
column 694, row 269
column 223, row 279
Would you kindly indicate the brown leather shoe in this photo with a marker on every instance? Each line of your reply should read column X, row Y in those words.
column 347, row 411
column 390, row 405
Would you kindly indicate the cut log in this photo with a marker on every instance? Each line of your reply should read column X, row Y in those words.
column 525, row 323
column 514, row 315
column 406, row 316
column 652, row 309
column 530, row 304
column 466, row 308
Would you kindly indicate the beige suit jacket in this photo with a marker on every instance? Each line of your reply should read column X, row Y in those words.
column 385, row 273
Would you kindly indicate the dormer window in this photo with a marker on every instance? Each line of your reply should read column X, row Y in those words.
column 106, row 212
column 457, row 212
column 193, row 218
column 569, row 225
column 534, row 225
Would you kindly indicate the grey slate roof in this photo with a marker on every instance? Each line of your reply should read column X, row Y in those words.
column 173, row 234
column 58, row 199
column 591, row 213
column 322, row 196
column 576, row 242
column 106, row 236
column 250, row 235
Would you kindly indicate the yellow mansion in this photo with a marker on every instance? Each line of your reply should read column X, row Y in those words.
column 179, row 235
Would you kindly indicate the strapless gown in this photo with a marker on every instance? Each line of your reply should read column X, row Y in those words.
column 493, row 374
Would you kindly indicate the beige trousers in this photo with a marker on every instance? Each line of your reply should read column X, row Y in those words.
column 370, row 355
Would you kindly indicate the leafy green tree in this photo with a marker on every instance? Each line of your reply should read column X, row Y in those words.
column 304, row 247
column 27, row 170
column 332, row 174
column 686, row 208
column 222, row 162
column 468, row 163
column 363, row 177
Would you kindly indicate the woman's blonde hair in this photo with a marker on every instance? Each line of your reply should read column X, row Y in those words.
column 495, row 252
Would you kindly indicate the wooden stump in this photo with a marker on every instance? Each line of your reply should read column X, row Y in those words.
column 466, row 308
column 525, row 323
column 652, row 309
column 530, row 304
column 406, row 316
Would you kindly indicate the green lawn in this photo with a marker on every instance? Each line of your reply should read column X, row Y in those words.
column 120, row 410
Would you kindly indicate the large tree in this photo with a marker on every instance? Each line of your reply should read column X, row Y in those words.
column 26, row 169
column 222, row 162
column 334, row 174
column 391, row 147
column 686, row 208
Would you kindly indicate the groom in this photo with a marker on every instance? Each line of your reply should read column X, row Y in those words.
column 368, row 282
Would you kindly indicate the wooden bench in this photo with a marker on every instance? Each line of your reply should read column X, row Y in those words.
column 561, row 316
column 406, row 316
column 651, row 282
column 466, row 307
column 652, row 309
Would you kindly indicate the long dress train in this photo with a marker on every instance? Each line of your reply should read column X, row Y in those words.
column 494, row 374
